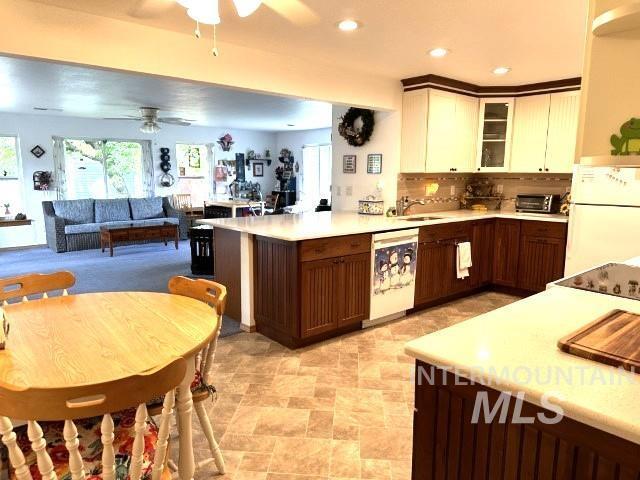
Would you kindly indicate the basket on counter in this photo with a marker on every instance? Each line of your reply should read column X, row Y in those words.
column 371, row 206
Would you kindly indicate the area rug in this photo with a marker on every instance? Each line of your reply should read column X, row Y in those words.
column 146, row 267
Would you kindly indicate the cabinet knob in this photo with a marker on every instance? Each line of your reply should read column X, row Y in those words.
column 546, row 169
column 539, row 169
column 478, row 168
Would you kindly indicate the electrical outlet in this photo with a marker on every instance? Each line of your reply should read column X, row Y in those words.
column 348, row 190
column 338, row 189
column 499, row 188
column 452, row 191
column 568, row 189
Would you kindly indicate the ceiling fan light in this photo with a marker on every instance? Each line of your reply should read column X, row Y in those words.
column 150, row 127
column 205, row 12
column 188, row 3
column 246, row 7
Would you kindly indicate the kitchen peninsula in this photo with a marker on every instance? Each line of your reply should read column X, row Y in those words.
column 514, row 349
column 299, row 279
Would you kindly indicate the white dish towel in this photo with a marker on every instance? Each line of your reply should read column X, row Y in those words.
column 463, row 262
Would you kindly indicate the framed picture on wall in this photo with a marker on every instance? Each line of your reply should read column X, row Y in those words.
column 349, row 164
column 258, row 169
column 374, row 163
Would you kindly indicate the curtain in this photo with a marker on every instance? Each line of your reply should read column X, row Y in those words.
column 148, row 185
column 211, row 162
column 59, row 170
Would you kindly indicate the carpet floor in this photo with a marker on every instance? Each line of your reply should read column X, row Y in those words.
column 146, row 267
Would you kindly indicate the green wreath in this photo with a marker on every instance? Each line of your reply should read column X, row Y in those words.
column 356, row 137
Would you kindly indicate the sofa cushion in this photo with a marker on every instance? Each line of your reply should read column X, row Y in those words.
column 112, row 210
column 75, row 211
column 82, row 228
column 143, row 208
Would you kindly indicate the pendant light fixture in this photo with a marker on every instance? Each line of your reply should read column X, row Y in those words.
column 246, row 7
column 205, row 11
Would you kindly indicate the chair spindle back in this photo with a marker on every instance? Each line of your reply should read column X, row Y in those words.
column 35, row 284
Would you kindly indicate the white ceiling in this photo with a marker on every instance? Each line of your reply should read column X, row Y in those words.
column 540, row 40
column 94, row 93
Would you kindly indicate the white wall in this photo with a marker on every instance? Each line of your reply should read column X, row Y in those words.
column 35, row 130
column 385, row 140
column 295, row 140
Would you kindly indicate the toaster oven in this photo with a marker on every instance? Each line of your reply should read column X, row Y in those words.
column 538, row 203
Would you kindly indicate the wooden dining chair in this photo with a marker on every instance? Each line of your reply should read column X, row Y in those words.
column 214, row 295
column 182, row 201
column 35, row 284
column 74, row 432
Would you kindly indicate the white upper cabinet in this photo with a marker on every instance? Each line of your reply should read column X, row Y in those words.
column 466, row 135
column 415, row 107
column 530, row 126
column 563, row 132
column 494, row 134
column 439, row 131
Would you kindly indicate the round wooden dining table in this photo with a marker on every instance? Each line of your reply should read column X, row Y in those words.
column 92, row 338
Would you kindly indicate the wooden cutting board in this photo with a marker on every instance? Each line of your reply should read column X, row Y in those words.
column 613, row 339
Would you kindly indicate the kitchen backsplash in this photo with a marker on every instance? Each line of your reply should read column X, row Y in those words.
column 415, row 185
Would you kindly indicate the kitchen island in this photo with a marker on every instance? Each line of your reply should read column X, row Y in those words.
column 513, row 350
column 301, row 278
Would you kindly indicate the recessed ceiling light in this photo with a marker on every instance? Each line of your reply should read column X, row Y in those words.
column 348, row 25
column 438, row 52
column 501, row 70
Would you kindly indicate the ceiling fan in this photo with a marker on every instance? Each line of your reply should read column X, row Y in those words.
column 294, row 11
column 150, row 120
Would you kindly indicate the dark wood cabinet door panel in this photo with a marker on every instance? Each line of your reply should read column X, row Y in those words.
column 448, row 445
column 355, row 288
column 320, row 296
column 276, row 264
column 433, row 233
column 433, row 272
column 482, row 245
column 333, row 247
column 544, row 229
column 506, row 252
column 541, row 262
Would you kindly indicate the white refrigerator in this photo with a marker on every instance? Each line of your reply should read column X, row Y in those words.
column 604, row 217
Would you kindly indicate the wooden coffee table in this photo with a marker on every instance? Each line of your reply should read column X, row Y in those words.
column 131, row 233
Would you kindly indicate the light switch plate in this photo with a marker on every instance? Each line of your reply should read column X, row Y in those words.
column 452, row 190
column 499, row 188
column 338, row 189
column 348, row 190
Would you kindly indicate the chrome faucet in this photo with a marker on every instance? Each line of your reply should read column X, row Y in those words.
column 405, row 204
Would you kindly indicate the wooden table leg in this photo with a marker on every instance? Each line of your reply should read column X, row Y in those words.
column 110, row 246
column 184, row 412
column 102, row 242
column 177, row 238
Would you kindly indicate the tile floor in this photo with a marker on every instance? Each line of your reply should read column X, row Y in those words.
column 338, row 409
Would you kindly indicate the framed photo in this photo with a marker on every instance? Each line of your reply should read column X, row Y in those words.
column 37, row 151
column 374, row 163
column 258, row 169
column 349, row 164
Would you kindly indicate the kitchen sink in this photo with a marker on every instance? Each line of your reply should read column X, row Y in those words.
column 420, row 219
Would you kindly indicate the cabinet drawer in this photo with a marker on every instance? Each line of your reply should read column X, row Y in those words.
column 320, row 248
column 433, row 233
column 544, row 229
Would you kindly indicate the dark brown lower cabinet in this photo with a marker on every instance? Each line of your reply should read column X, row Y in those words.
column 506, row 252
column 541, row 261
column 334, row 293
column 482, row 244
column 311, row 290
column 448, row 445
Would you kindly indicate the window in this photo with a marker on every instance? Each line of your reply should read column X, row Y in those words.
column 10, row 187
column 316, row 175
column 193, row 171
column 103, row 168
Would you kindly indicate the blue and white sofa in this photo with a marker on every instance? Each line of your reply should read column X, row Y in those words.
column 75, row 224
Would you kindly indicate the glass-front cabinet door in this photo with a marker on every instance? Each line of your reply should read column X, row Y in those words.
column 494, row 134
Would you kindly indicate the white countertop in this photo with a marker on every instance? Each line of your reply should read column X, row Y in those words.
column 522, row 337
column 305, row 226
